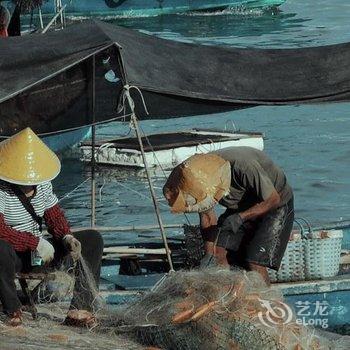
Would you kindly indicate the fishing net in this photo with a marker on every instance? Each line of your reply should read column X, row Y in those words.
column 53, row 300
column 211, row 308
column 214, row 308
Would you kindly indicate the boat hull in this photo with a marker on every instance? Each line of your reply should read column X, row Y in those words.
column 168, row 149
column 140, row 8
column 64, row 141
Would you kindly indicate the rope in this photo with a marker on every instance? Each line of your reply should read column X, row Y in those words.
column 137, row 192
column 101, row 189
column 160, row 165
column 153, row 151
column 125, row 96
column 74, row 189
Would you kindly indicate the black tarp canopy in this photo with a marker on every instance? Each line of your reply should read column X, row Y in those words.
column 46, row 80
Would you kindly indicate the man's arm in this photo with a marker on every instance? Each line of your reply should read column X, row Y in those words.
column 261, row 208
column 209, row 229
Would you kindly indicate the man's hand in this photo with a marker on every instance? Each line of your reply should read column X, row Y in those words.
column 73, row 245
column 231, row 223
column 230, row 236
column 45, row 250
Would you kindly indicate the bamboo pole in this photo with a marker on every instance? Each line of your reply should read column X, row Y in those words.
column 153, row 194
column 61, row 16
column 93, row 143
column 41, row 18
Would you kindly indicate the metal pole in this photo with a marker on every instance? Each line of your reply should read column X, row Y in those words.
column 153, row 194
column 93, row 142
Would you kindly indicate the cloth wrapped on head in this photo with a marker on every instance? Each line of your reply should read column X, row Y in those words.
column 198, row 183
column 26, row 160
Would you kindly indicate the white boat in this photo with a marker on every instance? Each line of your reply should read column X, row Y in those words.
column 167, row 149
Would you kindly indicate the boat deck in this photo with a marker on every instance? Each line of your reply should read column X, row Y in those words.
column 166, row 149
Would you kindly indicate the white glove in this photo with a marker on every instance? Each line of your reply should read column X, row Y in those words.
column 45, row 250
column 73, row 245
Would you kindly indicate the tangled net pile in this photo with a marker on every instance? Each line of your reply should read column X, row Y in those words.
column 215, row 309
column 53, row 297
column 212, row 308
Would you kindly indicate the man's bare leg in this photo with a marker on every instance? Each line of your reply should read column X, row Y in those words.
column 262, row 270
column 219, row 253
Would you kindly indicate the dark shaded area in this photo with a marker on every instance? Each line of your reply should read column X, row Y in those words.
column 14, row 28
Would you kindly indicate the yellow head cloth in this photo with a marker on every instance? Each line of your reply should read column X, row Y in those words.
column 26, row 160
column 198, row 182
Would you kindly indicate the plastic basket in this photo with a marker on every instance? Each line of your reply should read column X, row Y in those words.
column 310, row 255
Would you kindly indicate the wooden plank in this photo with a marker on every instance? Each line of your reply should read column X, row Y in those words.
column 125, row 228
column 133, row 251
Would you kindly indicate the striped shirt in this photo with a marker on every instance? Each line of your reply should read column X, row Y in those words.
column 16, row 216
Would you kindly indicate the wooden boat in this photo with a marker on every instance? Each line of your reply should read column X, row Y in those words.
column 167, row 149
column 141, row 8
column 320, row 303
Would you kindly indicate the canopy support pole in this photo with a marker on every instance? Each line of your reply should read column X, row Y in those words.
column 135, row 124
column 41, row 18
column 53, row 19
column 93, row 143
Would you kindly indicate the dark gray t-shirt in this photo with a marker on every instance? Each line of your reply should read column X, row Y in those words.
column 254, row 177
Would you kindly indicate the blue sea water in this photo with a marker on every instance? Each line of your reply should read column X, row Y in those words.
column 311, row 143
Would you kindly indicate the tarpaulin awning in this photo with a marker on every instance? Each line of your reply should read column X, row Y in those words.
column 176, row 79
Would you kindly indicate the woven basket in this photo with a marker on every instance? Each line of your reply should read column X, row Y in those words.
column 309, row 256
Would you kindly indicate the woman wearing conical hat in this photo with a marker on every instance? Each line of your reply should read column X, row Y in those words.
column 27, row 203
column 254, row 230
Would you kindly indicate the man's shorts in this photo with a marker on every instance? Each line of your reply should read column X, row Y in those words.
column 262, row 241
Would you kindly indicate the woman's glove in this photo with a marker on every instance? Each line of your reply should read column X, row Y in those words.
column 73, row 245
column 45, row 250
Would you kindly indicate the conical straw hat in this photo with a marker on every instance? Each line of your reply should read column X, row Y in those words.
column 198, row 183
column 26, row 160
